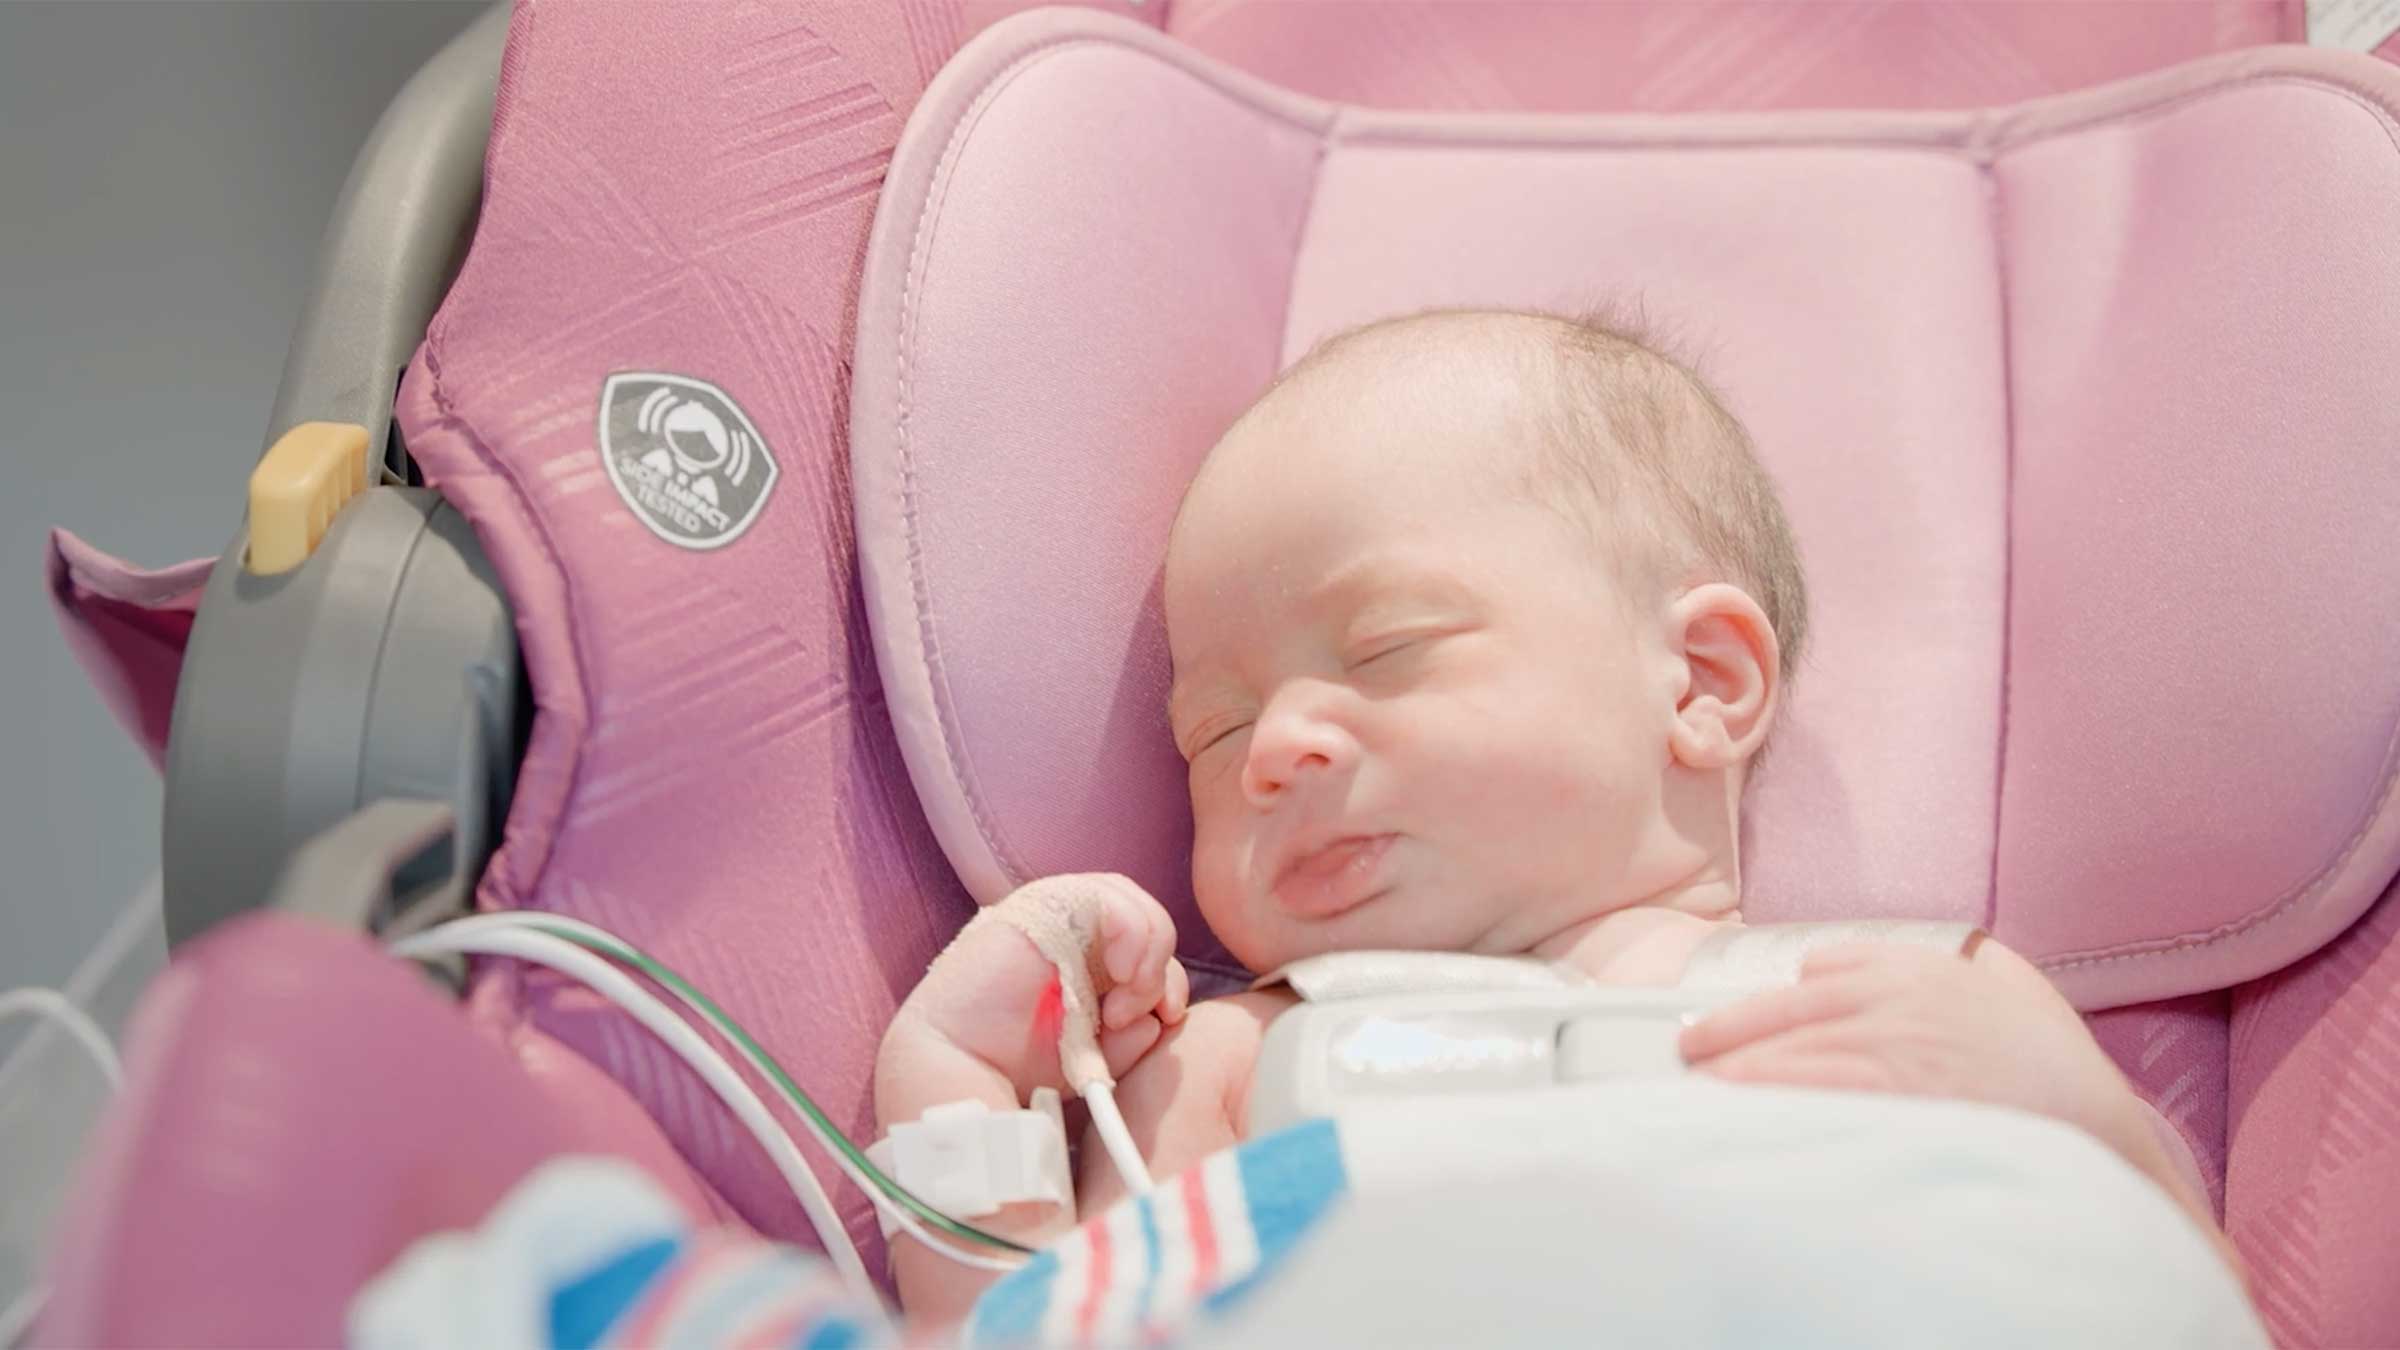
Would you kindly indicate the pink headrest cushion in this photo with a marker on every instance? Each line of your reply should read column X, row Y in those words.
column 2082, row 410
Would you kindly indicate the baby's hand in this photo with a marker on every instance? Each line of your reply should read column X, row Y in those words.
column 996, row 997
column 1891, row 1018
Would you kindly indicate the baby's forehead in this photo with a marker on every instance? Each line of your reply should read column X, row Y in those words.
column 1389, row 416
column 1381, row 433
column 1428, row 359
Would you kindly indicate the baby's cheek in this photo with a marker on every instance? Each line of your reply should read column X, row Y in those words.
column 1216, row 876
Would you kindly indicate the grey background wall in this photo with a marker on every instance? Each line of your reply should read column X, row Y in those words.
column 165, row 169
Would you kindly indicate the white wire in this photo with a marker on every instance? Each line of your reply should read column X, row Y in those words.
column 908, row 1222
column 1116, row 1138
column 528, row 920
column 558, row 954
column 50, row 1004
column 17, row 1318
column 531, row 922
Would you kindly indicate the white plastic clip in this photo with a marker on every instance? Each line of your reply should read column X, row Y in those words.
column 967, row 1160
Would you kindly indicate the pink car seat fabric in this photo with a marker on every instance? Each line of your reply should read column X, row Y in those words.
column 2010, row 367
column 2313, row 1167
column 711, row 772
column 1677, row 56
column 2174, row 1053
column 1539, row 56
column 127, row 627
column 290, row 1064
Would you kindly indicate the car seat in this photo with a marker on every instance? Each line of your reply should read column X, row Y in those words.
column 794, row 786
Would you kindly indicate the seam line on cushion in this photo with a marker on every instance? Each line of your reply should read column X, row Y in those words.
column 2266, row 914
column 537, row 529
column 2368, row 102
column 1986, row 165
column 1927, row 142
column 530, row 875
column 1430, row 140
column 1307, row 226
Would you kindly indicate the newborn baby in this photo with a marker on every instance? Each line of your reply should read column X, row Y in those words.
column 1480, row 621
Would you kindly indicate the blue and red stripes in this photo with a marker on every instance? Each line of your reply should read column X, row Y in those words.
column 1143, row 1270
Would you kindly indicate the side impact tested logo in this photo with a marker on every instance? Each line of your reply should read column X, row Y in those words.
column 684, row 456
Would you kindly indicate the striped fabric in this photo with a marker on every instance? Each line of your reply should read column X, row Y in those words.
column 588, row 1253
column 1192, row 1247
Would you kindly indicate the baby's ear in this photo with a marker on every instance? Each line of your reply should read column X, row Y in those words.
column 1732, row 672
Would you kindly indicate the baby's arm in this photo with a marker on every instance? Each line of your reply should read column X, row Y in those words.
column 1890, row 1018
column 919, row 1068
column 2115, row 1109
column 984, row 1026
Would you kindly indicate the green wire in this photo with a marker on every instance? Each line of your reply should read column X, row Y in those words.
column 898, row 1193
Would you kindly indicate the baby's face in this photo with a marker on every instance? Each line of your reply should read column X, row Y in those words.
column 1418, row 711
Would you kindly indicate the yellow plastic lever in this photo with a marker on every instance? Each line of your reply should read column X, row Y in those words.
column 311, row 473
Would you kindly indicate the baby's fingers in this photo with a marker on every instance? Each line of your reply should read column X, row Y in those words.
column 1123, row 1046
column 1137, row 942
column 1167, row 993
column 1135, row 933
column 1768, row 1014
column 1178, row 998
column 1772, row 1063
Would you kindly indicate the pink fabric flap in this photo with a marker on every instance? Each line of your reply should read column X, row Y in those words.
column 298, row 1108
column 127, row 627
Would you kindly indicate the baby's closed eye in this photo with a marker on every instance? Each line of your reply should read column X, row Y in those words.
column 1212, row 734
column 1370, row 653
column 1387, row 653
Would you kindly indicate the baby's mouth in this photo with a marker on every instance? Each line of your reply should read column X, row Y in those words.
column 1334, row 877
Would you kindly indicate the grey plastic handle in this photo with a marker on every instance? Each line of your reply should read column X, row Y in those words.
column 398, row 235
column 385, row 666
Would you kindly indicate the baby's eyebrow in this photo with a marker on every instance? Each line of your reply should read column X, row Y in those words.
column 1379, row 576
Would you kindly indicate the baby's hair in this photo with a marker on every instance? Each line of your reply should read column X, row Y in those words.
column 1640, row 451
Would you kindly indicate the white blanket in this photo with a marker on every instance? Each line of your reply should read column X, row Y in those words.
column 1688, row 1212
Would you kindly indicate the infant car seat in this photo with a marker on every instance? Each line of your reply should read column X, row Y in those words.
column 2078, row 406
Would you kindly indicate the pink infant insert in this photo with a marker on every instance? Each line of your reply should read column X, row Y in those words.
column 2080, row 408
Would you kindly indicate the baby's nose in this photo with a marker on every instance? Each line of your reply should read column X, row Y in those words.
column 1287, row 749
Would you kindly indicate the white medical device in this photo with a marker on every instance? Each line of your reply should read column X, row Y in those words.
column 1376, row 1028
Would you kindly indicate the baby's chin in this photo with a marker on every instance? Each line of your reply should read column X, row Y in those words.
column 1381, row 925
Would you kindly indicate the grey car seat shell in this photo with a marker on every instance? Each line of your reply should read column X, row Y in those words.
column 385, row 665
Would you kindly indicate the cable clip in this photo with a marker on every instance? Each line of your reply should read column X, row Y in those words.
column 967, row 1160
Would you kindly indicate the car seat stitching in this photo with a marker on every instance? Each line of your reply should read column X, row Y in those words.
column 2008, row 519
column 1928, row 137
column 529, row 877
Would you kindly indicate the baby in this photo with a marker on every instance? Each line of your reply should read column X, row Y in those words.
column 1479, row 621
